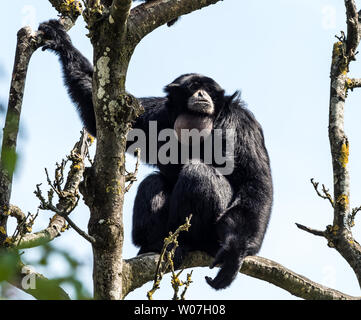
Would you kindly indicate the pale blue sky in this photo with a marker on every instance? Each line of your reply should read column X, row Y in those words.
column 278, row 54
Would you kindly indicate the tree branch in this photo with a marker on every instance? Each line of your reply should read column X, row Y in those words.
column 353, row 83
column 120, row 11
column 31, row 240
column 145, row 18
column 67, row 201
column 339, row 234
column 353, row 29
column 69, row 10
column 141, row 269
column 326, row 195
column 26, row 45
column 312, row 231
column 28, row 42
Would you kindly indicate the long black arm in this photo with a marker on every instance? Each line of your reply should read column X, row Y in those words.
column 77, row 70
column 78, row 73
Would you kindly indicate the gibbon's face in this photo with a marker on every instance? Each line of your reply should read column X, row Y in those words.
column 195, row 94
column 194, row 101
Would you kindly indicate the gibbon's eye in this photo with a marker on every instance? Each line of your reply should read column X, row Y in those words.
column 194, row 85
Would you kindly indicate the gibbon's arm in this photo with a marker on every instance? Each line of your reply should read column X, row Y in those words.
column 77, row 70
column 78, row 74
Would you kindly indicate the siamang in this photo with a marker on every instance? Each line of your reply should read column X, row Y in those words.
column 230, row 210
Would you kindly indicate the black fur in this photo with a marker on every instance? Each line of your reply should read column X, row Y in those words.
column 230, row 213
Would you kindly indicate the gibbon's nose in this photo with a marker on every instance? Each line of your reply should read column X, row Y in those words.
column 201, row 94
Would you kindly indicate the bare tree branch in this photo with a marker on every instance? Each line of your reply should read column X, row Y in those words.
column 120, row 10
column 326, row 195
column 67, row 201
column 353, row 83
column 56, row 226
column 353, row 215
column 26, row 45
column 312, row 231
column 69, row 10
column 353, row 29
column 149, row 16
column 28, row 42
column 131, row 177
column 24, row 223
column 141, row 269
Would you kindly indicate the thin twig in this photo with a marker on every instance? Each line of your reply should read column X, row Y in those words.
column 131, row 177
column 187, row 284
column 68, row 195
column 164, row 263
column 309, row 230
column 353, row 215
column 30, row 240
column 326, row 195
column 28, row 227
column 47, row 205
column 78, row 230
